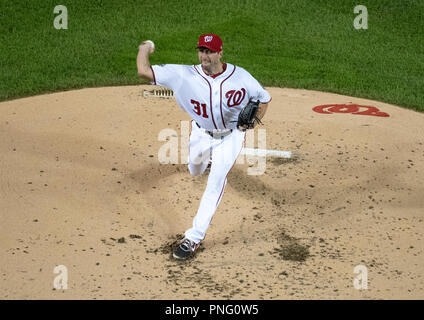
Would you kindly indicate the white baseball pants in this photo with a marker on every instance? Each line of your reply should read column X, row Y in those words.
column 223, row 152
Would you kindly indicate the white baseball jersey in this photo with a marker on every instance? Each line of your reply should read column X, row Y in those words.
column 213, row 102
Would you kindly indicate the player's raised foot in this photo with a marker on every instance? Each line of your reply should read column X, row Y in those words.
column 185, row 249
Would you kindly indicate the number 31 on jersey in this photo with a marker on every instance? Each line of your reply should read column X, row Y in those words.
column 200, row 109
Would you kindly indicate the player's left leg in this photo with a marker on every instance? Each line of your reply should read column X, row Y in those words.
column 224, row 155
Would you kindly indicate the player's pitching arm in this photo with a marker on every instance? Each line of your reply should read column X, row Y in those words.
column 143, row 63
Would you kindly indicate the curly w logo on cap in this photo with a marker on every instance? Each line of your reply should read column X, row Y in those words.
column 210, row 41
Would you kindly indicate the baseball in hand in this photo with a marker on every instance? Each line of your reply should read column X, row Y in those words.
column 152, row 45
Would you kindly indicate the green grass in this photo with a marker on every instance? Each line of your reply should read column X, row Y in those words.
column 298, row 44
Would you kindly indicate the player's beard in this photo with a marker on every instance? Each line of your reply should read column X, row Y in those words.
column 211, row 68
column 207, row 67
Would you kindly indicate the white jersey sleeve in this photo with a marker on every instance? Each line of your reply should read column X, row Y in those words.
column 255, row 89
column 168, row 75
column 259, row 92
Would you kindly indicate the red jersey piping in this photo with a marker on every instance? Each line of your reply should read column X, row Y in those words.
column 154, row 77
column 210, row 95
column 220, row 97
column 224, row 68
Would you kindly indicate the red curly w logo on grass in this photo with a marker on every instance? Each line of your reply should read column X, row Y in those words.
column 235, row 97
column 350, row 108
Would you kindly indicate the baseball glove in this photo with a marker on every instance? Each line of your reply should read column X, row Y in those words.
column 247, row 117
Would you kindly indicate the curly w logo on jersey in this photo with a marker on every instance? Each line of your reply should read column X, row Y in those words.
column 235, row 98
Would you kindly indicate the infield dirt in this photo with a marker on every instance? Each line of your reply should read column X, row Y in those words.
column 81, row 186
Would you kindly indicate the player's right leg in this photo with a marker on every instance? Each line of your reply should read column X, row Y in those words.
column 199, row 150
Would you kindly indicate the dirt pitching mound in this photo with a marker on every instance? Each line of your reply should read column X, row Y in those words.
column 86, row 203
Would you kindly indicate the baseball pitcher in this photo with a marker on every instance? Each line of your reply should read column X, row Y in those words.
column 223, row 101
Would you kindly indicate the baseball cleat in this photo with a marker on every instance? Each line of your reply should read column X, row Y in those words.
column 185, row 249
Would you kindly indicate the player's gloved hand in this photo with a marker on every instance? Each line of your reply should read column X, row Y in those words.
column 247, row 117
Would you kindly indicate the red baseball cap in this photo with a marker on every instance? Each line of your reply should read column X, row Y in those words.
column 210, row 41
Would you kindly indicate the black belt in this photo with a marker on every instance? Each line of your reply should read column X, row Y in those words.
column 216, row 135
